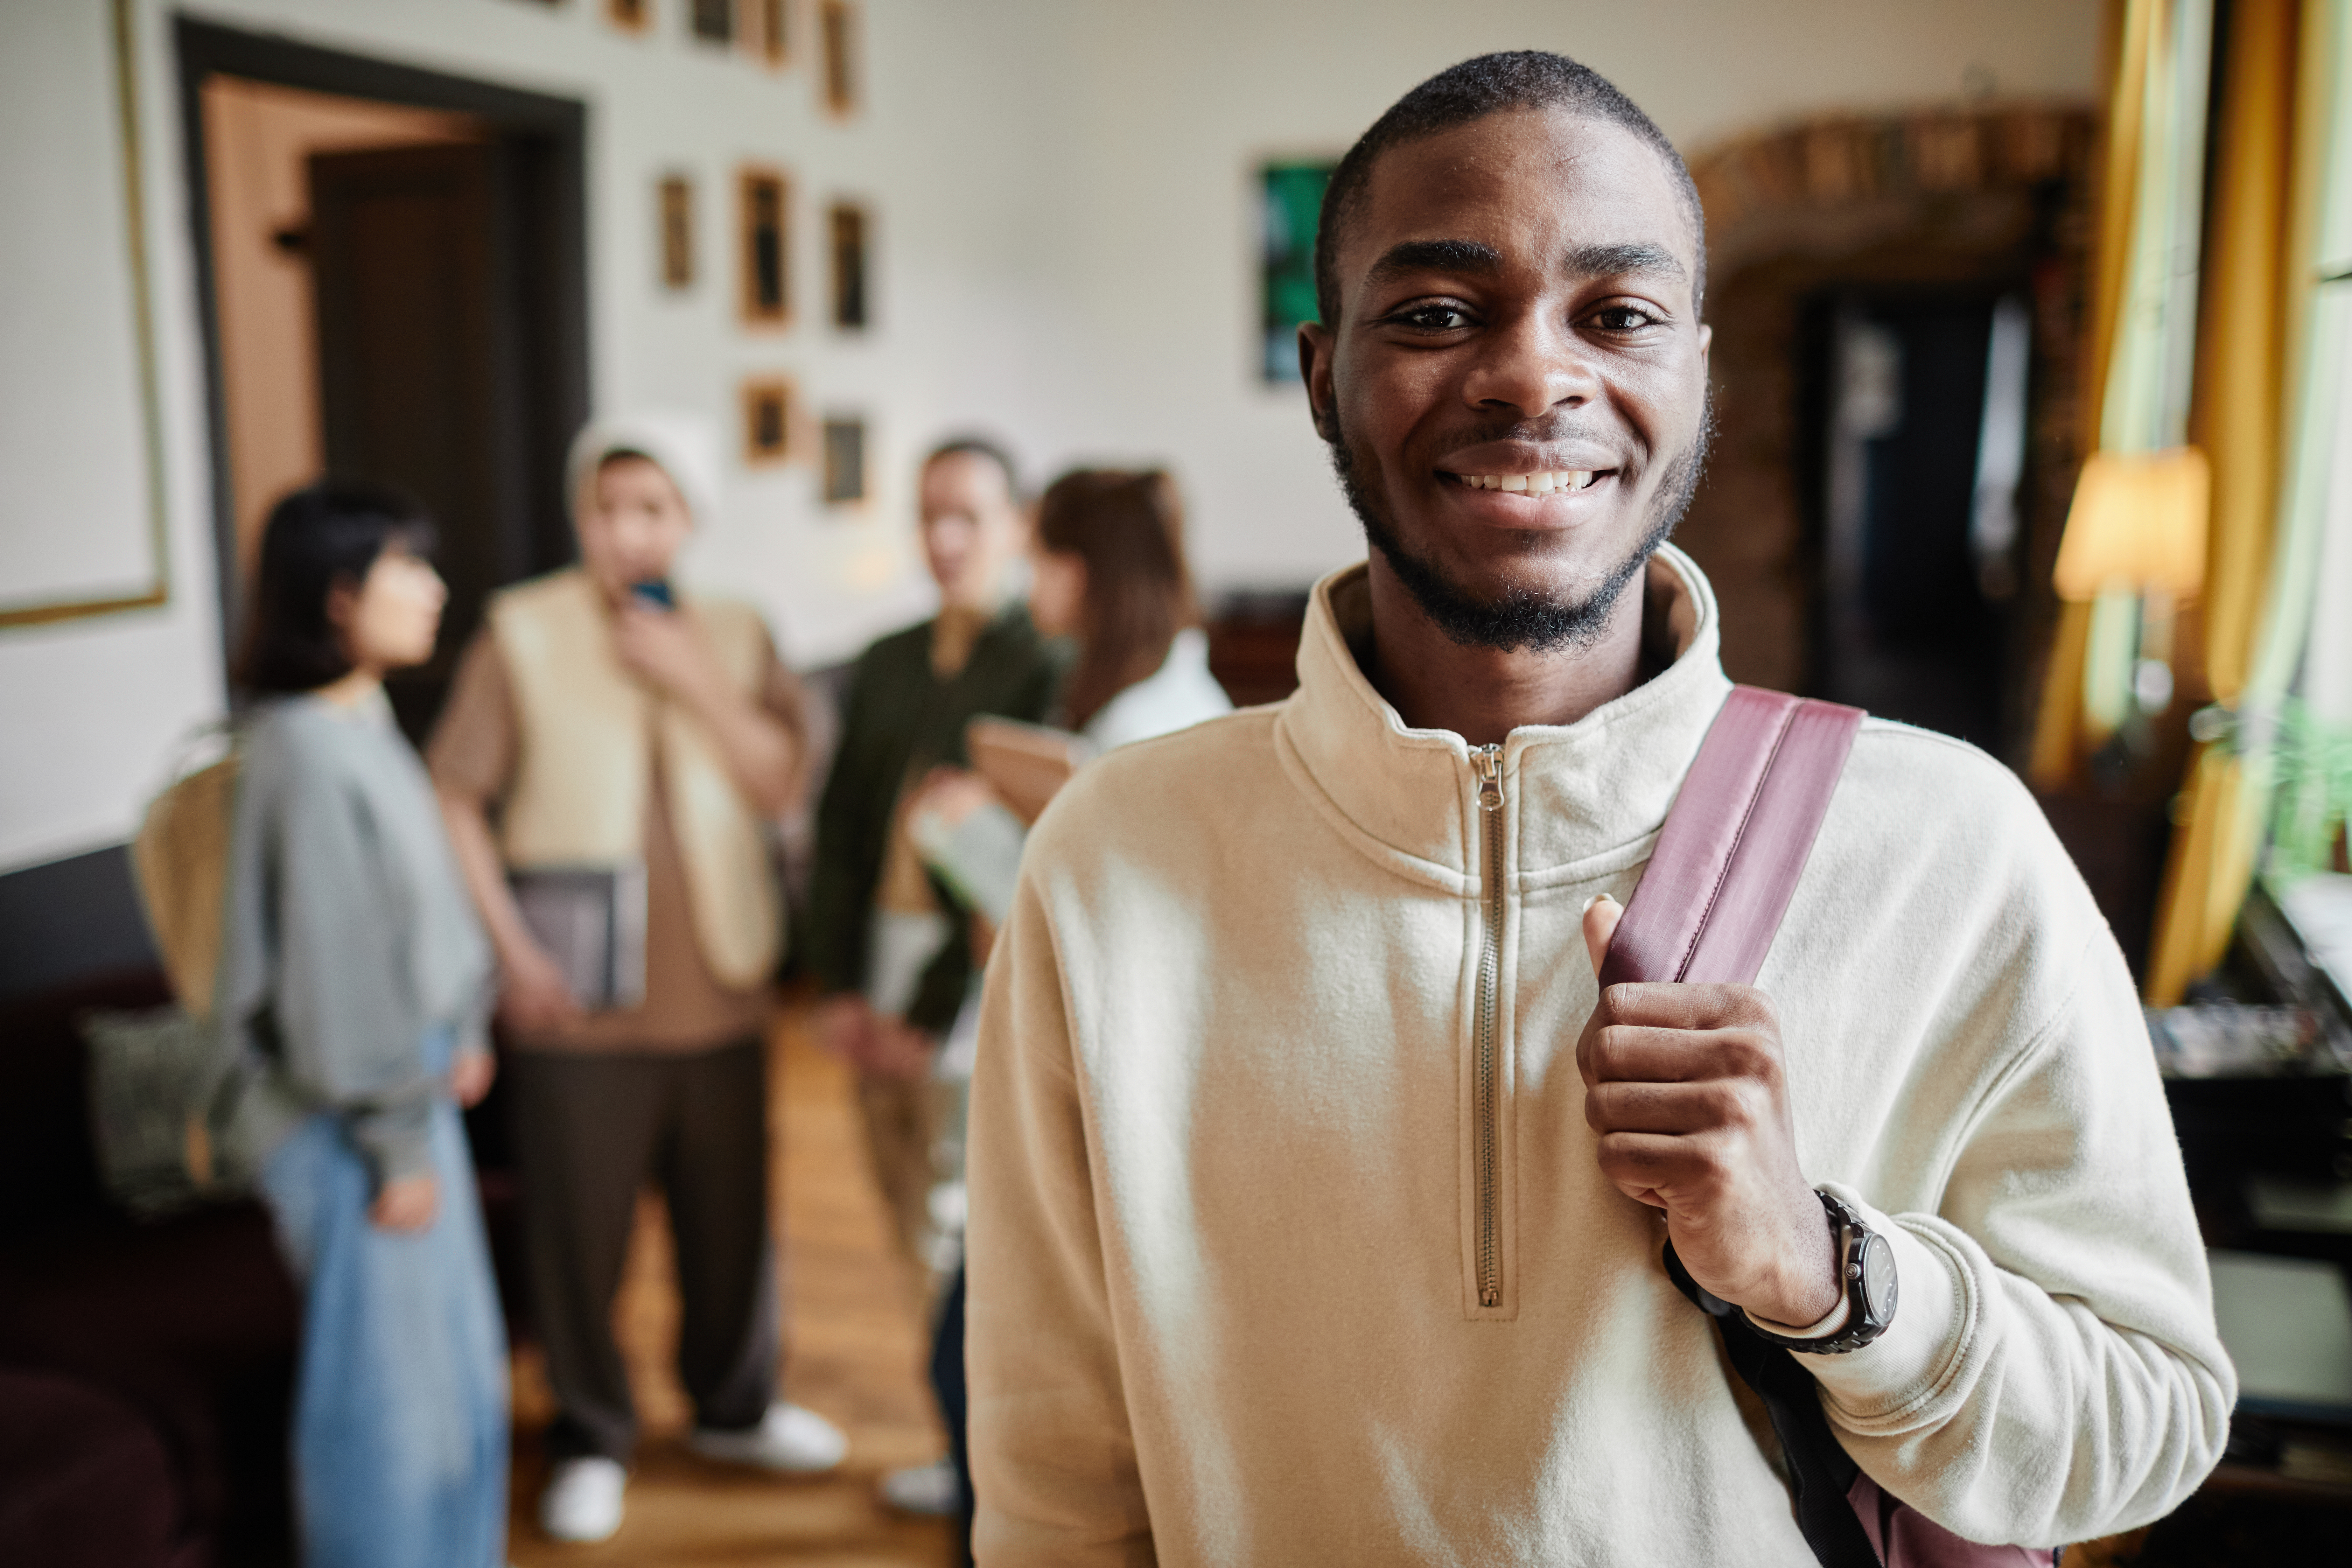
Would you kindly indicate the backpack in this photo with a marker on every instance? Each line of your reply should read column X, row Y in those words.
column 1706, row 910
column 159, row 1079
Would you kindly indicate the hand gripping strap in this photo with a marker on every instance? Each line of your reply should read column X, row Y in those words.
column 1707, row 907
column 1706, row 910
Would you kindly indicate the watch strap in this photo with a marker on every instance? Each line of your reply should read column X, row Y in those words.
column 1850, row 1233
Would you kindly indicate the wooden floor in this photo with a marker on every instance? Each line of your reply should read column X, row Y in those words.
column 856, row 1343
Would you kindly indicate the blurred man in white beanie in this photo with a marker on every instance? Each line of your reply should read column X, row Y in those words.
column 609, row 763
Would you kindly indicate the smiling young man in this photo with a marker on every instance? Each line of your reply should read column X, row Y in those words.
column 1318, row 1199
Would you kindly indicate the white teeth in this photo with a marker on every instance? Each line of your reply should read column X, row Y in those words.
column 1533, row 484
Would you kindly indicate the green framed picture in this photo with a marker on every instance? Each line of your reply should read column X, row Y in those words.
column 1291, row 196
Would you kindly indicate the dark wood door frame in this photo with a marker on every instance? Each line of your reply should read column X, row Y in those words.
column 545, row 140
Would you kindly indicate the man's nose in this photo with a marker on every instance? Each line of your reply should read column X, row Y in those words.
column 1531, row 364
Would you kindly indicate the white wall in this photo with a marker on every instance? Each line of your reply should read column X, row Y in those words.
column 1064, row 248
column 1178, row 105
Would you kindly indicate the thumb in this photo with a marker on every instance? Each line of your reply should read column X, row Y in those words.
column 1600, row 918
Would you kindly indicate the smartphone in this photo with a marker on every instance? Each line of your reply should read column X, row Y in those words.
column 655, row 592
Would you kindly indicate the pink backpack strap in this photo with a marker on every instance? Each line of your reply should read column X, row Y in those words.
column 1727, row 860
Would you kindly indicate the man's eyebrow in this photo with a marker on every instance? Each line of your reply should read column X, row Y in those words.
column 1435, row 256
column 1615, row 260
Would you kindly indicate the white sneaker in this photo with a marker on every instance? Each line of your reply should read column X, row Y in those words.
column 934, row 1491
column 583, row 1500
column 789, row 1437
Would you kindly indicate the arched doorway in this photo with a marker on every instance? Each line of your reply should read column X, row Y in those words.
column 1878, row 286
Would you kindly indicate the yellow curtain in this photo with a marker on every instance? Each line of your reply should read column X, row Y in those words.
column 2150, row 160
column 2269, row 451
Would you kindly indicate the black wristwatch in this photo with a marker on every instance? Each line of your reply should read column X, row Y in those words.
column 1866, row 1270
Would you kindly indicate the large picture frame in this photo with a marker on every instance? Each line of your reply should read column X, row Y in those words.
column 82, row 583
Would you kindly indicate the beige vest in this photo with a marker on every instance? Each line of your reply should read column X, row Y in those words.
column 587, row 734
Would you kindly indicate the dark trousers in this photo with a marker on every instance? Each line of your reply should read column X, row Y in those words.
column 590, row 1132
column 955, row 1404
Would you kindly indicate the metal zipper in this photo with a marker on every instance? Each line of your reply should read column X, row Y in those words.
column 1487, row 762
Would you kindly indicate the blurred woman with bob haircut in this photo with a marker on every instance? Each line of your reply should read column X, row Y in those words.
column 354, row 987
column 1107, row 572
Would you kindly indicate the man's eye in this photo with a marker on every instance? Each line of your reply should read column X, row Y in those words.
column 1434, row 318
column 1622, row 319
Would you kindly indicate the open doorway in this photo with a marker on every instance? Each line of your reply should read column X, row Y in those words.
column 1920, row 423
column 394, row 287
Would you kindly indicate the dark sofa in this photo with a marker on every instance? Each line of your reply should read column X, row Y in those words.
column 144, row 1366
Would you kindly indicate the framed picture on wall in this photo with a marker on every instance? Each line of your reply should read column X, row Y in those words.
column 770, row 405
column 712, row 21
column 677, row 232
column 764, row 248
column 629, row 16
column 844, row 461
column 766, row 28
column 837, row 44
column 82, row 445
column 1290, row 199
column 850, row 227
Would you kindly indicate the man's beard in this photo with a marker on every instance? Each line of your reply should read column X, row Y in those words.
column 1520, row 618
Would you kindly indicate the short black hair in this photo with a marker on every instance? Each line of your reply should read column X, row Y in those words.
column 323, row 535
column 977, row 446
column 1516, row 78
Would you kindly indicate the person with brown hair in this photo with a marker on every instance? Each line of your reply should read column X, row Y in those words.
column 1107, row 572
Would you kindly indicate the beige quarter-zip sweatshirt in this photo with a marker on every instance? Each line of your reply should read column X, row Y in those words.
column 1230, row 1194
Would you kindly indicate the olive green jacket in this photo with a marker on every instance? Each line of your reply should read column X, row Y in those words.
column 899, row 721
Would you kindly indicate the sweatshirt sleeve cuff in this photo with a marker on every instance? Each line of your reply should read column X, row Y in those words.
column 1916, row 1354
column 398, row 1143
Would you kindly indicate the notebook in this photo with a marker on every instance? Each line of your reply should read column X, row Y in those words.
column 592, row 921
column 1025, row 763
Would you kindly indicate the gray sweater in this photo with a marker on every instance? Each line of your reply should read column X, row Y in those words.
column 347, row 932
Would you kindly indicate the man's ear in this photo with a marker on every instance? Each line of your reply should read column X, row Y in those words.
column 1314, row 345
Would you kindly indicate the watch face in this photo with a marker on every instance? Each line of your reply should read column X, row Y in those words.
column 1878, row 1278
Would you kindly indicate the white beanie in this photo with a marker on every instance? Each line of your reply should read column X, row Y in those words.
column 682, row 443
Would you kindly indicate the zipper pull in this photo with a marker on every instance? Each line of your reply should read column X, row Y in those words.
column 1487, row 762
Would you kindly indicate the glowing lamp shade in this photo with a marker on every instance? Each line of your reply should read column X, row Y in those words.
column 2138, row 523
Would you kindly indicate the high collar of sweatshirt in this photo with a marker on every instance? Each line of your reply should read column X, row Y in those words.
column 1581, row 798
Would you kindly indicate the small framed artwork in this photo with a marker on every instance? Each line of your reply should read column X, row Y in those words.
column 1291, row 199
column 629, row 16
column 677, row 232
column 765, row 247
column 712, row 21
column 850, row 231
column 767, row 30
column 844, row 461
column 838, row 39
column 770, row 408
